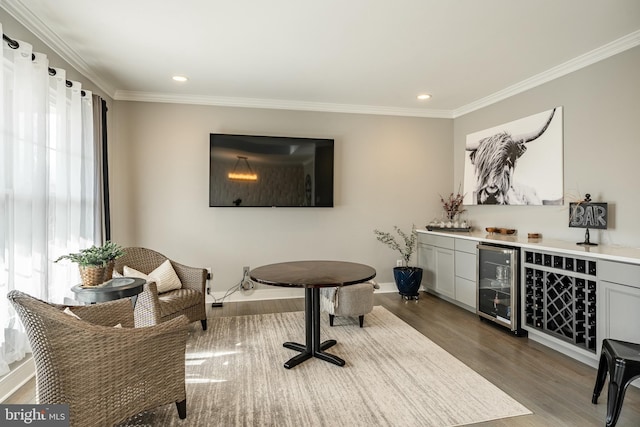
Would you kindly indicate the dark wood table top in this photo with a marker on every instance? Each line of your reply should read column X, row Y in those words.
column 312, row 274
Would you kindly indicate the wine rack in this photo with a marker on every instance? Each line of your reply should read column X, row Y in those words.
column 560, row 297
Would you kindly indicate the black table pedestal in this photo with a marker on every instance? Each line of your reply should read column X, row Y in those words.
column 313, row 346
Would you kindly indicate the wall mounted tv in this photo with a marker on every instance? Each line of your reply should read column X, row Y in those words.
column 270, row 171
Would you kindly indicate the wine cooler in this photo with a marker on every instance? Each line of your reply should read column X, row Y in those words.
column 498, row 286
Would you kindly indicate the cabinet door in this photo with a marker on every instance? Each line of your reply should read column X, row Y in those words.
column 426, row 261
column 618, row 312
column 466, row 292
column 445, row 272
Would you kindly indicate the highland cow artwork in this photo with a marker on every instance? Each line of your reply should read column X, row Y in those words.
column 517, row 163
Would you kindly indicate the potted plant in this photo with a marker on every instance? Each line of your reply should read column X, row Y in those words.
column 407, row 278
column 93, row 262
column 110, row 252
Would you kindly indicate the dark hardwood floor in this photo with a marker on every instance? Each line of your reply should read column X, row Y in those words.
column 556, row 388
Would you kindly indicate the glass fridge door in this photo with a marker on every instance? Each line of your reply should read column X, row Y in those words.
column 496, row 276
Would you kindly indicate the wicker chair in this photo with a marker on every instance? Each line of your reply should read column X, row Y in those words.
column 153, row 308
column 105, row 374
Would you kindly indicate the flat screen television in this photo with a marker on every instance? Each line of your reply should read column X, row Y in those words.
column 270, row 171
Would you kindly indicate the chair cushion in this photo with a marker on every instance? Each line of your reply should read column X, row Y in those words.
column 165, row 276
column 178, row 300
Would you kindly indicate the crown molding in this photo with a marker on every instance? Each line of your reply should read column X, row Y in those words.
column 24, row 16
column 603, row 52
column 277, row 104
column 32, row 23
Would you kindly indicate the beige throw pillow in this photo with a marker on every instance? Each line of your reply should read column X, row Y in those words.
column 165, row 276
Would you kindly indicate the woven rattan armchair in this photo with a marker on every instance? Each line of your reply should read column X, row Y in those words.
column 153, row 308
column 105, row 374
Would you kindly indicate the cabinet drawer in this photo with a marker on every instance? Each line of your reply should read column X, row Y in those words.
column 466, row 265
column 439, row 241
column 466, row 245
column 619, row 272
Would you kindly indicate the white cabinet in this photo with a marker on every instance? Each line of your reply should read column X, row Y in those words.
column 445, row 282
column 436, row 258
column 618, row 302
column 448, row 268
column 427, row 261
column 465, row 272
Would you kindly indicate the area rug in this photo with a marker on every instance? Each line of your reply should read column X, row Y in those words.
column 394, row 376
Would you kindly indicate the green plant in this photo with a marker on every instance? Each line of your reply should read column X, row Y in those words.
column 95, row 255
column 86, row 257
column 111, row 251
column 406, row 249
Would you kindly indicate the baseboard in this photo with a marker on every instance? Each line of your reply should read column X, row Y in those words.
column 584, row 356
column 18, row 377
column 264, row 294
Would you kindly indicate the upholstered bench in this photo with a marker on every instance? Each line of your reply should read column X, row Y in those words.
column 348, row 301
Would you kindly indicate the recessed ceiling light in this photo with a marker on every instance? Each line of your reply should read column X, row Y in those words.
column 180, row 78
column 424, row 96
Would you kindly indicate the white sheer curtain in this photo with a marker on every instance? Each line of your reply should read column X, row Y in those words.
column 47, row 185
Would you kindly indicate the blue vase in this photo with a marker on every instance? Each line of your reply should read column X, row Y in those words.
column 408, row 280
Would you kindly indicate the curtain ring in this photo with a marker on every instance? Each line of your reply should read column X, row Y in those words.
column 12, row 43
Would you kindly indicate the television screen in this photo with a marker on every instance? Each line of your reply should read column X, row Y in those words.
column 269, row 171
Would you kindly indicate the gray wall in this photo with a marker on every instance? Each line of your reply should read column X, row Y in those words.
column 601, row 107
column 388, row 171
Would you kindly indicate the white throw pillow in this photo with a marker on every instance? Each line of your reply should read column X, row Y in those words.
column 68, row 311
column 131, row 272
column 165, row 276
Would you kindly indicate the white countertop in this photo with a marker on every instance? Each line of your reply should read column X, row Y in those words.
column 609, row 252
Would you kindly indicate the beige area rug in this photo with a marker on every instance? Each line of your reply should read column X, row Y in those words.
column 394, row 376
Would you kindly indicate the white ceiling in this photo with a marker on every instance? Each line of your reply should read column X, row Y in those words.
column 367, row 56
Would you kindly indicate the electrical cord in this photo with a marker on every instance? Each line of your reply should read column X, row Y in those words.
column 245, row 284
column 232, row 290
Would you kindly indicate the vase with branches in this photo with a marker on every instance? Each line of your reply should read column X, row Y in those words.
column 452, row 205
column 408, row 242
column 408, row 279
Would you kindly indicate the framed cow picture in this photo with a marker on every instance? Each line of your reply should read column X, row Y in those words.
column 517, row 163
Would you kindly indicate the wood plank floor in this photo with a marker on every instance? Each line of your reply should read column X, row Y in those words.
column 556, row 388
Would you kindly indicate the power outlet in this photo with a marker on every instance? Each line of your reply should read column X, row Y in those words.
column 209, row 278
column 399, row 263
column 246, row 284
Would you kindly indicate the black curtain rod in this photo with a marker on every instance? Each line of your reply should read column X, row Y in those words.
column 13, row 44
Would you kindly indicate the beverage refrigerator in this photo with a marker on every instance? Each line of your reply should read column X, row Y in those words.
column 498, row 285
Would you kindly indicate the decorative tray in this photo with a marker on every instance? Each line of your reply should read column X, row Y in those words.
column 432, row 228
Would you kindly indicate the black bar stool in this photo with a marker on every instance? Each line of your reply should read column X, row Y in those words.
column 622, row 360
